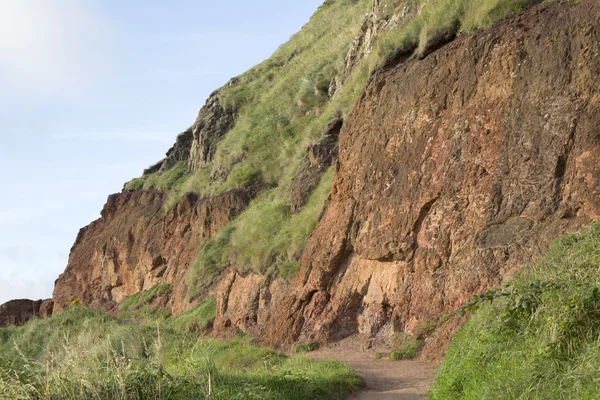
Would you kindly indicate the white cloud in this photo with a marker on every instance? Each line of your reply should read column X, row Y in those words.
column 51, row 46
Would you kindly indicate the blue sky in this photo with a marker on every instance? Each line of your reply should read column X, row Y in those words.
column 92, row 92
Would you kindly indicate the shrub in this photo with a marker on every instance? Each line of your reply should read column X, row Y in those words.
column 408, row 351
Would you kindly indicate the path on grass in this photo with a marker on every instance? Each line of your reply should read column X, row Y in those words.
column 384, row 379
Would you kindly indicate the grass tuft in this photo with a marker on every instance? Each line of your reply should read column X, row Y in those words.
column 307, row 347
column 199, row 319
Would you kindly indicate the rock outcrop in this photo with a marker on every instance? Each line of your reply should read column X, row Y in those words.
column 135, row 246
column 384, row 15
column 18, row 312
column 453, row 172
column 197, row 145
column 214, row 121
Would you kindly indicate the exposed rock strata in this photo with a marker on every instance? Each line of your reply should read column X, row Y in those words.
column 18, row 312
column 453, row 172
column 134, row 246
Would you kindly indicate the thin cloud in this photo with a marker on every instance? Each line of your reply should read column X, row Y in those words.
column 51, row 46
column 18, row 289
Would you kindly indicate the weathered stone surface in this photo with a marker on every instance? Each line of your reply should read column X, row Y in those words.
column 180, row 150
column 134, row 246
column 320, row 157
column 18, row 312
column 244, row 303
column 196, row 145
column 213, row 122
column 454, row 171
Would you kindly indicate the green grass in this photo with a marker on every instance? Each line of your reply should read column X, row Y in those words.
column 139, row 306
column 305, row 347
column 408, row 348
column 442, row 20
column 282, row 106
column 199, row 318
column 86, row 354
column 538, row 337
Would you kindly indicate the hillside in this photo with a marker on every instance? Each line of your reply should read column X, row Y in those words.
column 392, row 160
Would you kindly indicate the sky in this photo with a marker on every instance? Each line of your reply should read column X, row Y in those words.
column 92, row 92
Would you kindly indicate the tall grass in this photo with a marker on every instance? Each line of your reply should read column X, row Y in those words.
column 539, row 338
column 85, row 354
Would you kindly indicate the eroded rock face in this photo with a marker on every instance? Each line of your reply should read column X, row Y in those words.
column 214, row 121
column 454, row 172
column 134, row 246
column 18, row 312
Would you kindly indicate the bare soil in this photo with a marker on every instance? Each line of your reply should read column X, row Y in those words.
column 384, row 379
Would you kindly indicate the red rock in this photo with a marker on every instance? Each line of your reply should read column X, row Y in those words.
column 18, row 312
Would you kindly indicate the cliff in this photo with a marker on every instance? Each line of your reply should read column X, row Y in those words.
column 453, row 172
column 460, row 159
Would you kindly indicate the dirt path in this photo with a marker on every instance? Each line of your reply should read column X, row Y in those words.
column 384, row 379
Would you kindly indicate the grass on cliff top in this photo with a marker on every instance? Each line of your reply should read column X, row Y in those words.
column 442, row 20
column 539, row 338
column 283, row 102
column 283, row 107
column 86, row 354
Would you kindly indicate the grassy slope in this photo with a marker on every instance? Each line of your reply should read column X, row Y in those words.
column 284, row 106
column 539, row 338
column 86, row 354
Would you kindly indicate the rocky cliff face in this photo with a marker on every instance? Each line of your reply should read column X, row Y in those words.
column 18, row 312
column 134, row 246
column 453, row 171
